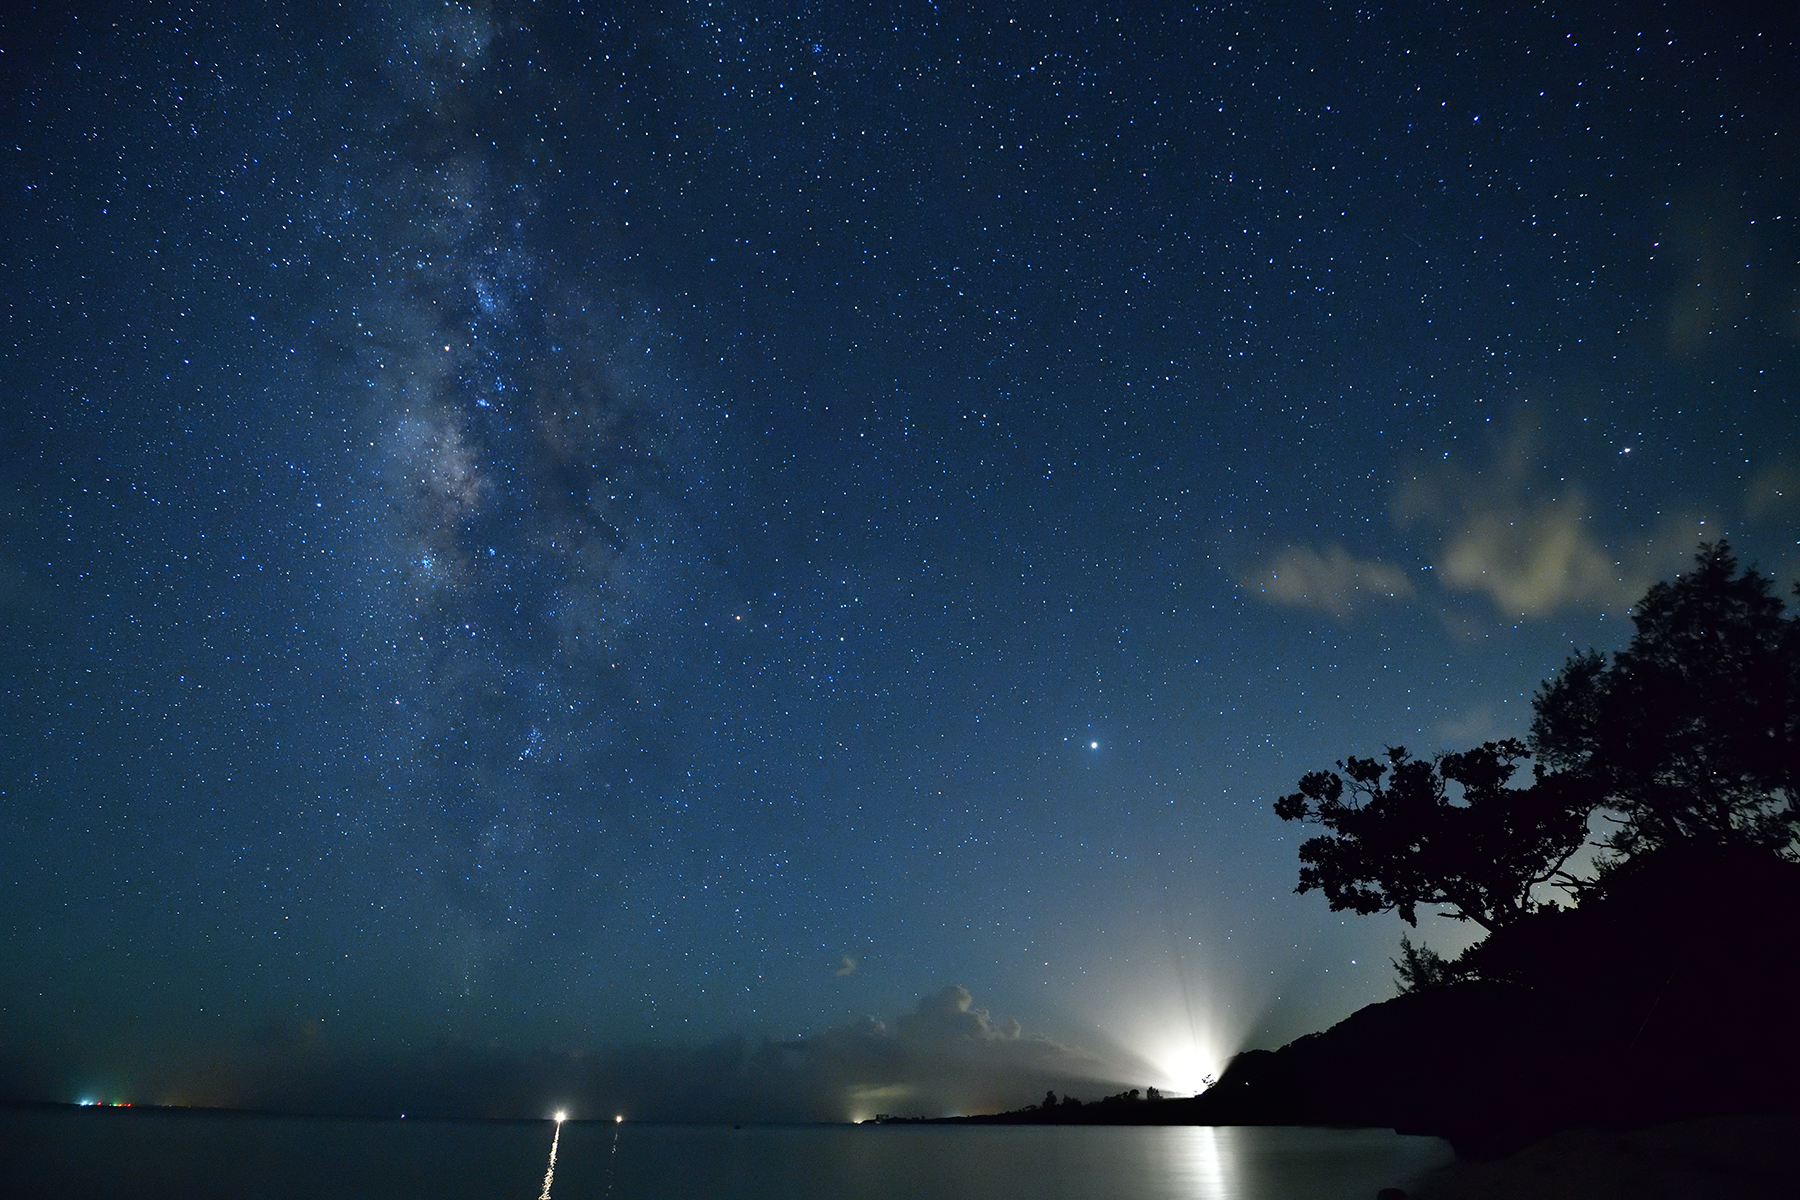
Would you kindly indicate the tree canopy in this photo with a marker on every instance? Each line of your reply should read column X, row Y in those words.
column 1692, row 732
column 1690, row 736
column 1399, row 836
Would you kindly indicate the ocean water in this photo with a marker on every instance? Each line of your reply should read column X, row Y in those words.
column 83, row 1153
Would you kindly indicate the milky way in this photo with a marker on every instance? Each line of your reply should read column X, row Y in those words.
column 531, row 483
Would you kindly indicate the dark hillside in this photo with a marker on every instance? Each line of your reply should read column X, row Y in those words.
column 1670, row 993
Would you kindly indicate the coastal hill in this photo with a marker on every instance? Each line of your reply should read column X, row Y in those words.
column 1668, row 994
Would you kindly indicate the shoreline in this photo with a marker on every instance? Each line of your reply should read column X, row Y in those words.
column 1735, row 1157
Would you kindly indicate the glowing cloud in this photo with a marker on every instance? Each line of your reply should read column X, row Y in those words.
column 1533, row 560
column 1334, row 581
column 1530, row 549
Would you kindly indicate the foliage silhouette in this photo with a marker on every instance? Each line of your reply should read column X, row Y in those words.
column 1692, row 732
column 1397, row 838
column 1419, row 968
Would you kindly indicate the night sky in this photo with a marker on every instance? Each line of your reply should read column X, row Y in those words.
column 673, row 539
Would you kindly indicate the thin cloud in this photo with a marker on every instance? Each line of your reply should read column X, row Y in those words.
column 1529, row 549
column 1773, row 493
column 1479, row 725
column 1533, row 559
column 846, row 967
column 1334, row 581
column 1708, row 243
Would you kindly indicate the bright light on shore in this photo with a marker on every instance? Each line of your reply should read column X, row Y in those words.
column 562, row 1116
column 619, row 1120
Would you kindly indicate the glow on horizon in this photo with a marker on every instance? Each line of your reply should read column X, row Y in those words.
column 1172, row 1027
column 1185, row 1067
column 1183, row 1043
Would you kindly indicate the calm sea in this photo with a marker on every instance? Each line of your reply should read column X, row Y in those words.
column 144, row 1155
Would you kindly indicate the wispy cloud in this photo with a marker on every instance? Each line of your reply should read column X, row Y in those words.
column 1533, row 558
column 1333, row 581
column 1515, row 530
column 1773, row 493
column 1513, row 534
column 1706, row 240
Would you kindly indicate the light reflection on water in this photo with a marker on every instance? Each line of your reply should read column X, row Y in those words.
column 107, row 1152
column 1251, row 1163
column 1196, row 1166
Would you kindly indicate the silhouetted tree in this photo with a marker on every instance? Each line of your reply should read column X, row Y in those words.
column 1420, row 968
column 1689, row 733
column 1396, row 838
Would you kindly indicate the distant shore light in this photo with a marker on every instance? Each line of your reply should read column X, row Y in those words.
column 561, row 1116
column 619, row 1120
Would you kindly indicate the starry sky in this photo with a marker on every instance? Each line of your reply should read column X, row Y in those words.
column 734, row 535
